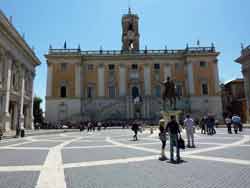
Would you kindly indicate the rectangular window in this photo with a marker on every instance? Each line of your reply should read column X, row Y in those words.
column 90, row 67
column 111, row 67
column 111, row 91
column 89, row 92
column 156, row 66
column 204, row 88
column 63, row 67
column 203, row 64
column 134, row 66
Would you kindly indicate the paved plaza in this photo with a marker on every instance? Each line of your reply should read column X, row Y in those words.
column 110, row 159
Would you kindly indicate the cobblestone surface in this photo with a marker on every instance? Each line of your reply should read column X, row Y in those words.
column 111, row 159
column 72, row 156
column 22, row 157
column 192, row 174
column 18, row 179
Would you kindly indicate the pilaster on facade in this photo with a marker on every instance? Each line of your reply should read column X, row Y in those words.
column 22, row 99
column 31, row 120
column 216, row 78
column 49, row 79
column 101, row 81
column 7, row 87
column 190, row 76
column 78, row 74
column 147, row 80
column 122, row 80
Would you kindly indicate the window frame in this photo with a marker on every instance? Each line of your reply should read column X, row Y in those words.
column 61, row 93
column 156, row 65
column 90, row 90
column 111, row 67
column 205, row 64
column 202, row 93
column 133, row 67
column 109, row 93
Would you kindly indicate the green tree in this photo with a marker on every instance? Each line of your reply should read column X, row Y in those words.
column 37, row 111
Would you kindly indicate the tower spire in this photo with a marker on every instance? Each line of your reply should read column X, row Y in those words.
column 129, row 7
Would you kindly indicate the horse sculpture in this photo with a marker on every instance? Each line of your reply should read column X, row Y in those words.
column 169, row 93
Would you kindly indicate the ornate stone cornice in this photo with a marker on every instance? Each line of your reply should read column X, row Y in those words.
column 17, row 39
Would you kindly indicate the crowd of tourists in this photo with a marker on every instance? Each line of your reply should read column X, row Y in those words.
column 98, row 125
column 172, row 130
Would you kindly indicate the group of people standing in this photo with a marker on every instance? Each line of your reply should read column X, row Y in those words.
column 207, row 125
column 235, row 122
column 173, row 130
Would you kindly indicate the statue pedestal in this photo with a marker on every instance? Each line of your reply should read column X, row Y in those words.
column 167, row 114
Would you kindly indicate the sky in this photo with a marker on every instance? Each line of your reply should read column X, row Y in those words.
column 95, row 23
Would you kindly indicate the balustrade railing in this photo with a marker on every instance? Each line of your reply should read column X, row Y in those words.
column 189, row 50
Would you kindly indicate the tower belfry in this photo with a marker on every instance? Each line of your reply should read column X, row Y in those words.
column 130, row 32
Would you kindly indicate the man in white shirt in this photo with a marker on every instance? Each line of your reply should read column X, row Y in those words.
column 189, row 125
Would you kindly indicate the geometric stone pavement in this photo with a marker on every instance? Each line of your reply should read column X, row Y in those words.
column 110, row 158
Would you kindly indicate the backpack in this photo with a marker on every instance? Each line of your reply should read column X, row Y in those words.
column 181, row 142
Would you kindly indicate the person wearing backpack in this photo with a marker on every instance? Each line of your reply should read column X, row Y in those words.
column 174, row 131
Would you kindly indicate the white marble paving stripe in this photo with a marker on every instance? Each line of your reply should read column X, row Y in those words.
column 90, row 147
column 52, row 173
column 20, row 168
column 18, row 144
column 24, row 148
column 111, row 162
column 210, row 143
column 245, row 139
column 220, row 138
column 245, row 145
column 220, row 159
column 106, row 146
column 108, row 139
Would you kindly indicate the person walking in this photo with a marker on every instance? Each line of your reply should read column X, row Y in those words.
column 173, row 130
column 1, row 133
column 228, row 122
column 189, row 125
column 236, row 123
column 210, row 126
column 135, row 128
column 203, row 125
column 163, row 138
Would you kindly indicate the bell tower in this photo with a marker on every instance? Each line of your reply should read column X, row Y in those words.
column 130, row 32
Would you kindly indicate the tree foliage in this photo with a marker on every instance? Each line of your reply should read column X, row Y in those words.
column 37, row 111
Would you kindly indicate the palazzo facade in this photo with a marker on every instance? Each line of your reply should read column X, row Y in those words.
column 126, row 83
column 17, row 72
column 244, row 60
